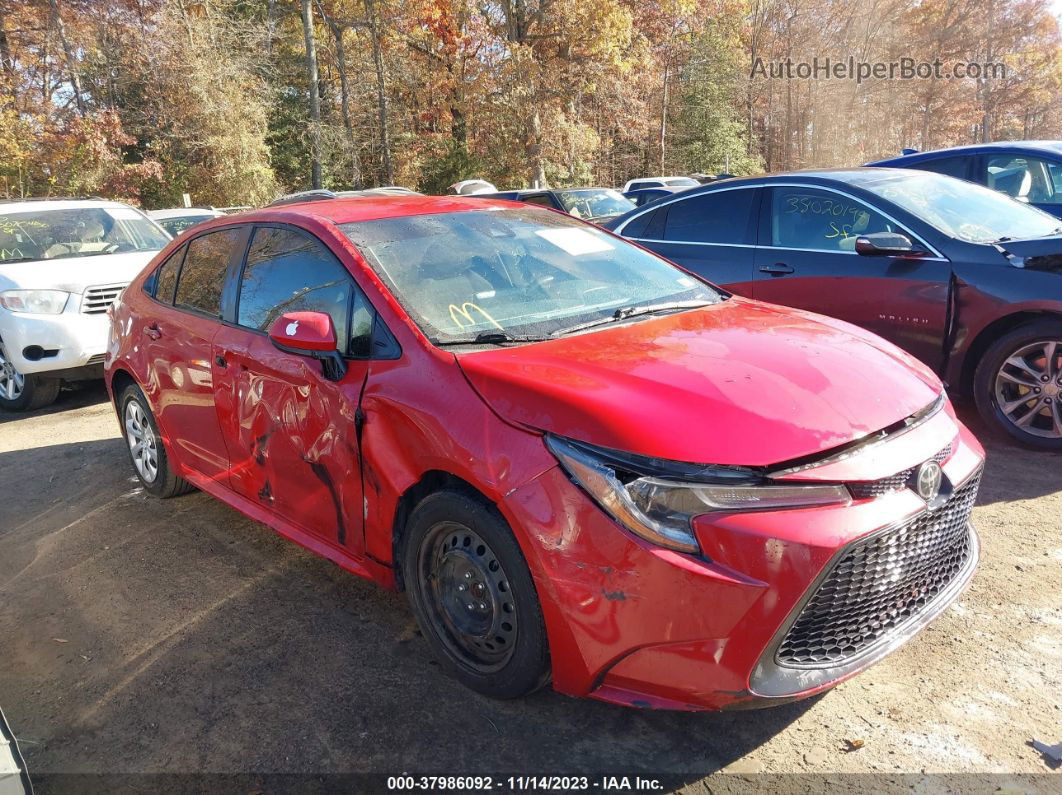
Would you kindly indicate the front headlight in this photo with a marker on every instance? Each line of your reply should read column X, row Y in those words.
column 658, row 499
column 37, row 302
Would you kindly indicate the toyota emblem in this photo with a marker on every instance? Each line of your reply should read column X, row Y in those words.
column 927, row 481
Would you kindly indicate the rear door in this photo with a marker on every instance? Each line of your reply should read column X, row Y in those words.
column 806, row 259
column 190, row 286
column 293, row 434
column 711, row 234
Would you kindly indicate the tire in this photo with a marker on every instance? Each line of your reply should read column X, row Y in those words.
column 20, row 392
column 1025, row 361
column 489, row 634
column 151, row 464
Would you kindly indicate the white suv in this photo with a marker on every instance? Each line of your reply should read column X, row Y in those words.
column 62, row 264
column 659, row 182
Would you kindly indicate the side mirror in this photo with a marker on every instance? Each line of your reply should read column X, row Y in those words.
column 309, row 334
column 886, row 244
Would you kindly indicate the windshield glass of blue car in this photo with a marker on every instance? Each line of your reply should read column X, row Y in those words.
column 595, row 203
column 72, row 233
column 962, row 209
column 517, row 272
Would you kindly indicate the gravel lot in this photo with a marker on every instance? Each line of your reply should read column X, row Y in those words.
column 140, row 635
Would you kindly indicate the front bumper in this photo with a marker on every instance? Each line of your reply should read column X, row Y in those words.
column 65, row 341
column 634, row 624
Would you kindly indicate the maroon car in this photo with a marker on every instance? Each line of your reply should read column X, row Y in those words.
column 966, row 279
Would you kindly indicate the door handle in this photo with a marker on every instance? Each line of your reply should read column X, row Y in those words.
column 219, row 360
column 153, row 331
column 778, row 269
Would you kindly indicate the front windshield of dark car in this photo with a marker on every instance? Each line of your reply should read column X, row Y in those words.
column 962, row 209
column 523, row 271
column 76, row 232
column 595, row 203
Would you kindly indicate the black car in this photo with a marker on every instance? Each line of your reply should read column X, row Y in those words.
column 590, row 204
column 1029, row 171
column 964, row 278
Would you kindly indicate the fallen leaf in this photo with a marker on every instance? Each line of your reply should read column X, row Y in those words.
column 853, row 745
column 60, row 640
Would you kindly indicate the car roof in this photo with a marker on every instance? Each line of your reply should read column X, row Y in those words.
column 1000, row 147
column 44, row 205
column 370, row 208
column 182, row 212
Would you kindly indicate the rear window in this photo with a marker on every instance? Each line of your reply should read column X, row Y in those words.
column 203, row 274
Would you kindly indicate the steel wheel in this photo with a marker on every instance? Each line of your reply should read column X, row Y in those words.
column 142, row 445
column 12, row 382
column 469, row 596
column 1028, row 388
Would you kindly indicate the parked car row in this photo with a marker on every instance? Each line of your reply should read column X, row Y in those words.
column 585, row 464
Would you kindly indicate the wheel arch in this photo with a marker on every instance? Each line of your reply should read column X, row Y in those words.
column 992, row 332
column 118, row 379
column 430, row 482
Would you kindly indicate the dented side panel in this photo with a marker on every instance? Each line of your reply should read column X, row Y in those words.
column 291, row 436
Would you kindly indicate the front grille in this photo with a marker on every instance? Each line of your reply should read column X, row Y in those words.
column 97, row 299
column 880, row 583
column 875, row 488
column 99, row 358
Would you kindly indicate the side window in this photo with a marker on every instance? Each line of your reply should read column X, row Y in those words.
column 948, row 166
column 718, row 217
column 203, row 273
column 541, row 200
column 819, row 220
column 289, row 271
column 636, row 227
column 1024, row 178
column 165, row 277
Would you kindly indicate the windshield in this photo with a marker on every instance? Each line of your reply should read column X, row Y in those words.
column 77, row 232
column 962, row 209
column 177, row 224
column 595, row 203
column 681, row 182
column 519, row 271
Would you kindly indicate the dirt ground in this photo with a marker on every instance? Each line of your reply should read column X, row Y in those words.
column 139, row 635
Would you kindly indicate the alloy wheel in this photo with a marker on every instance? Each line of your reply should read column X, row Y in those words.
column 1028, row 388
column 12, row 382
column 142, row 445
column 469, row 596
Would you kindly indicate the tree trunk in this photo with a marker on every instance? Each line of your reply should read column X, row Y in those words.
column 71, row 62
column 663, row 115
column 5, row 51
column 344, row 100
column 534, row 152
column 315, row 98
column 381, row 91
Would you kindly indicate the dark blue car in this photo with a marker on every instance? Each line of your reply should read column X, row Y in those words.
column 962, row 277
column 1029, row 171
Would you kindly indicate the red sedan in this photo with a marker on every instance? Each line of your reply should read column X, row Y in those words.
column 584, row 465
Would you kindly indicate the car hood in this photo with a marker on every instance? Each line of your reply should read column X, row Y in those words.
column 1036, row 254
column 74, row 274
column 740, row 383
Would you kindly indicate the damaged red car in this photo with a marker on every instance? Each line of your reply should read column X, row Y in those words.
column 584, row 465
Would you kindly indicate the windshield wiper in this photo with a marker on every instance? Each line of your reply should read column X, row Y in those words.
column 493, row 338
column 626, row 312
column 18, row 259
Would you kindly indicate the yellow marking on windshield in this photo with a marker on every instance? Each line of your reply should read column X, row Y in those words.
column 465, row 311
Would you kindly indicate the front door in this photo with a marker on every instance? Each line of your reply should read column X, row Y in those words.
column 178, row 342
column 806, row 258
column 292, row 433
